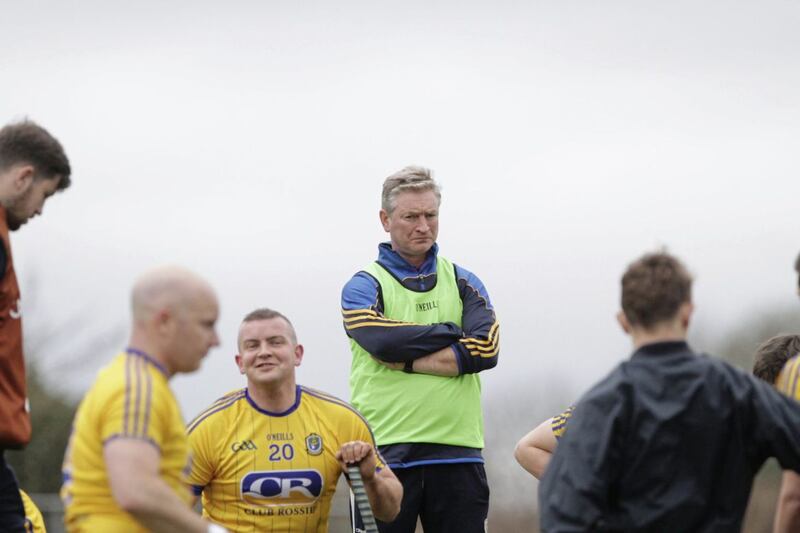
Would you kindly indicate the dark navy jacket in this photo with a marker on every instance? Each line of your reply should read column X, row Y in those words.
column 669, row 441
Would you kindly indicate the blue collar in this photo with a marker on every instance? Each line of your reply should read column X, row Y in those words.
column 290, row 410
column 401, row 268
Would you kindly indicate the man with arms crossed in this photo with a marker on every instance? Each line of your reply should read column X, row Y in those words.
column 421, row 328
column 126, row 463
column 267, row 457
column 670, row 440
column 33, row 166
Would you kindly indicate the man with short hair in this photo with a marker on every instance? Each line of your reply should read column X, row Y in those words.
column 33, row 166
column 267, row 457
column 126, row 465
column 421, row 329
column 670, row 440
column 772, row 355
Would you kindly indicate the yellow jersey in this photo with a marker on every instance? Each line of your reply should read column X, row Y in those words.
column 263, row 471
column 559, row 422
column 787, row 381
column 34, row 523
column 130, row 399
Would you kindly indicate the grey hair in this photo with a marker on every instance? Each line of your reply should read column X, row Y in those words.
column 411, row 178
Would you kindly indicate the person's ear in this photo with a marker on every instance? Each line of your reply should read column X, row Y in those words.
column 23, row 178
column 686, row 311
column 622, row 320
column 164, row 321
column 384, row 220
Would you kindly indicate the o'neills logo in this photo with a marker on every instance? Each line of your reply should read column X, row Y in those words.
column 428, row 306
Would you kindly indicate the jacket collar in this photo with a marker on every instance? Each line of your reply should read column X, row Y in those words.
column 662, row 348
column 402, row 268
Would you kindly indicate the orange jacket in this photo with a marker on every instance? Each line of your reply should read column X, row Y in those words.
column 15, row 422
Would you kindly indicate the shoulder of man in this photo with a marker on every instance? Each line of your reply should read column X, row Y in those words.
column 469, row 278
column 111, row 377
column 361, row 291
column 338, row 409
column 731, row 374
column 610, row 395
column 214, row 415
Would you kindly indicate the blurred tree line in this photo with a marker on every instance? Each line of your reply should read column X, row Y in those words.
column 38, row 466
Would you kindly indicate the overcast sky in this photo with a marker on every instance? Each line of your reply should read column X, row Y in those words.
column 249, row 141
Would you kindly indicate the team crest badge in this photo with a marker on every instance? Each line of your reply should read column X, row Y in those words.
column 314, row 444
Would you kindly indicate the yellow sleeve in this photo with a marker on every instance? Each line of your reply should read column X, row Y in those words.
column 559, row 423
column 360, row 430
column 135, row 405
column 34, row 523
column 787, row 381
column 202, row 467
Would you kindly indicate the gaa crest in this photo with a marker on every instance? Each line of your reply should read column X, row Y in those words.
column 314, row 444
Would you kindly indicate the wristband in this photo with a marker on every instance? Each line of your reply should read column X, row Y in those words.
column 408, row 368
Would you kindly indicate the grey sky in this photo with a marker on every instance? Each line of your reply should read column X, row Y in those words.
column 248, row 141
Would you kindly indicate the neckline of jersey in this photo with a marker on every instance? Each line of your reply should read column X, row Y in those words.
column 297, row 396
column 148, row 358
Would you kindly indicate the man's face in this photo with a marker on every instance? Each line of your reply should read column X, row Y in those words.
column 30, row 201
column 413, row 225
column 194, row 332
column 268, row 352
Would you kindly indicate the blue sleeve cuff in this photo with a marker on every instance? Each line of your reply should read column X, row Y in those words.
column 461, row 356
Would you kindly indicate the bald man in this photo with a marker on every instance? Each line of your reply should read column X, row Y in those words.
column 126, row 464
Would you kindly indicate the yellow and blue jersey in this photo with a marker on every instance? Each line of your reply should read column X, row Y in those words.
column 788, row 381
column 264, row 471
column 130, row 399
column 34, row 523
column 559, row 422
